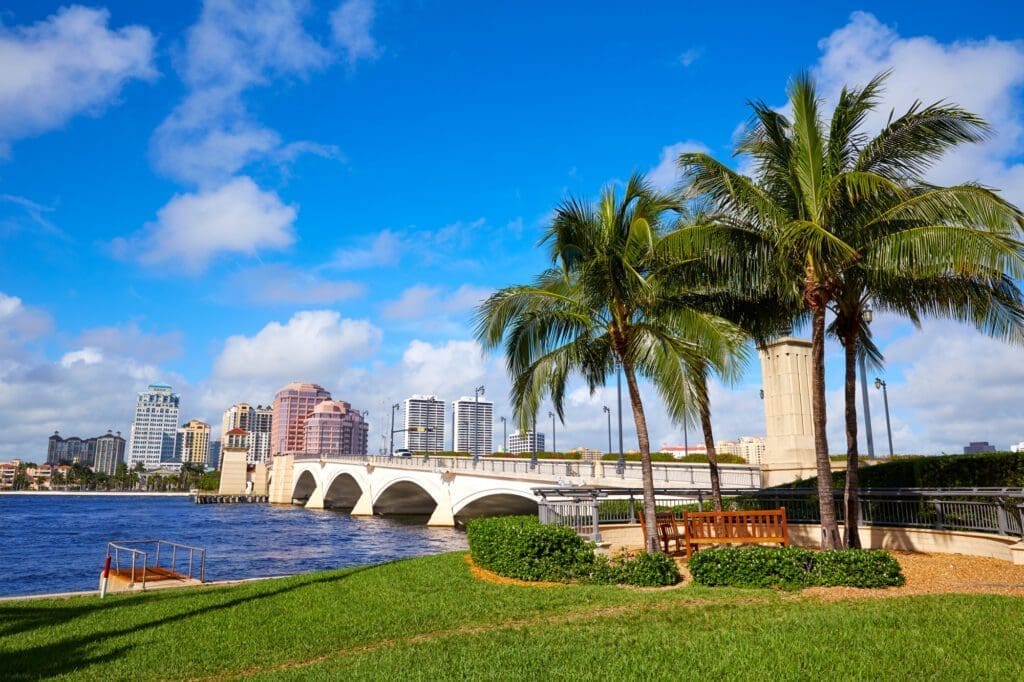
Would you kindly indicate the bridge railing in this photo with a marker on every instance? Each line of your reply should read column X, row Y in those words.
column 996, row 511
column 665, row 473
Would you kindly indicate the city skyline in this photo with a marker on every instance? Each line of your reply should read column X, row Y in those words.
column 239, row 199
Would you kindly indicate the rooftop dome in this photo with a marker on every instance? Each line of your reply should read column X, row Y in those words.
column 331, row 406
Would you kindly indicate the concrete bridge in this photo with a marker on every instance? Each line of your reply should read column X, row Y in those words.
column 455, row 489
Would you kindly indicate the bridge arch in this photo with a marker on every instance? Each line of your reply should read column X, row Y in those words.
column 494, row 502
column 343, row 492
column 304, row 488
column 405, row 496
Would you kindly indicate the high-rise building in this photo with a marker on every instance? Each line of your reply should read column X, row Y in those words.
column 109, row 453
column 522, row 442
column 195, row 442
column 474, row 419
column 156, row 424
column 257, row 422
column 292, row 405
column 334, row 429
column 70, row 450
column 424, row 423
column 213, row 461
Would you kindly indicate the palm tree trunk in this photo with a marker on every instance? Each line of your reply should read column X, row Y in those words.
column 851, row 499
column 644, row 443
column 829, row 527
column 709, row 438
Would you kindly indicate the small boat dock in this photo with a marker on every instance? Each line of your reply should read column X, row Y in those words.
column 151, row 564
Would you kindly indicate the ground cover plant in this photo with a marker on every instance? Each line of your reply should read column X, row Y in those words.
column 523, row 548
column 429, row 619
column 794, row 567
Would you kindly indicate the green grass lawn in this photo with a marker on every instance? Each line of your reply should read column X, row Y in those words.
column 429, row 619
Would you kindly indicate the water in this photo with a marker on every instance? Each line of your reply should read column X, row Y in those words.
column 56, row 543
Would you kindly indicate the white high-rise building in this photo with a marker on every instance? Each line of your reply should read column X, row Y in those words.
column 257, row 422
column 474, row 425
column 424, row 423
column 520, row 443
column 156, row 424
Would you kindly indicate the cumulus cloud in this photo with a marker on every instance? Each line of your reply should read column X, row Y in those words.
column 278, row 283
column 67, row 64
column 665, row 176
column 384, row 248
column 193, row 228
column 421, row 301
column 128, row 340
column 351, row 23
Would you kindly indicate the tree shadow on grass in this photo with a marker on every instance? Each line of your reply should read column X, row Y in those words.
column 76, row 654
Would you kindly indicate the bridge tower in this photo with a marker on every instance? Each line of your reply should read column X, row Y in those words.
column 786, row 376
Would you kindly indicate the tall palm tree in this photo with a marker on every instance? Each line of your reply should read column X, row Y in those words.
column 607, row 303
column 843, row 218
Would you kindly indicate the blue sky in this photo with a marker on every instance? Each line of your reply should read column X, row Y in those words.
column 231, row 195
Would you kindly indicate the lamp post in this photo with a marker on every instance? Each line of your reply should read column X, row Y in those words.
column 476, row 426
column 533, row 460
column 885, row 396
column 365, row 414
column 866, row 316
column 504, row 435
column 553, row 447
column 608, row 412
column 391, row 449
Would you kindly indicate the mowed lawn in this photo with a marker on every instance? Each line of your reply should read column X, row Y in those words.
column 429, row 619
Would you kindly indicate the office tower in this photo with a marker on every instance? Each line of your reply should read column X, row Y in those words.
column 521, row 442
column 195, row 442
column 213, row 461
column 335, row 429
column 424, row 423
column 257, row 422
column 152, row 437
column 473, row 425
column 292, row 405
column 109, row 453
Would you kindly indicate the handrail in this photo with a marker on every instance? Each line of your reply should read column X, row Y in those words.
column 158, row 547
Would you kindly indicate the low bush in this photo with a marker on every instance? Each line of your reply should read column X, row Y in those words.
column 794, row 568
column 521, row 547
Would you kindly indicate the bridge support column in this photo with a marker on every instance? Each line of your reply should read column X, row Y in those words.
column 443, row 514
column 364, row 506
column 316, row 500
column 281, row 484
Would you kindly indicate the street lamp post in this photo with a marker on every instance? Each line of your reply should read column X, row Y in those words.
column 553, row 441
column 608, row 412
column 866, row 316
column 365, row 414
column 504, row 435
column 885, row 396
column 533, row 460
column 476, row 426
column 391, row 449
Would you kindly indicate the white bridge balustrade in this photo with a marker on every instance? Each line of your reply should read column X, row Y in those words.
column 452, row 490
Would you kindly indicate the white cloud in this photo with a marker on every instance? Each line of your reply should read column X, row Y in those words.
column 446, row 369
column 351, row 23
column 68, row 64
column 130, row 341
column 86, row 356
column 422, row 301
column 279, row 283
column 665, row 176
column 312, row 344
column 689, row 56
column 383, row 249
column 983, row 76
column 192, row 228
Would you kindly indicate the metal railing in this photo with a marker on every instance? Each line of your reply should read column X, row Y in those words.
column 569, row 471
column 158, row 555
column 997, row 511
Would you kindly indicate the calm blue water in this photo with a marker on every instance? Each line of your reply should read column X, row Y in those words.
column 51, row 543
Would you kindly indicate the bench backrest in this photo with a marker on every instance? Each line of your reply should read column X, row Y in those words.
column 766, row 524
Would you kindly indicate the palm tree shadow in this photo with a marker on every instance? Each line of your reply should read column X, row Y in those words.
column 76, row 654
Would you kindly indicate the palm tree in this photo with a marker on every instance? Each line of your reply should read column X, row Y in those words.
column 842, row 219
column 607, row 303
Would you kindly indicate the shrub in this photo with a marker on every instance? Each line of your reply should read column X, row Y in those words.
column 523, row 548
column 794, row 567
column 856, row 568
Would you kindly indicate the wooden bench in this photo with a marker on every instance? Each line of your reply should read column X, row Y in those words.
column 733, row 527
column 668, row 531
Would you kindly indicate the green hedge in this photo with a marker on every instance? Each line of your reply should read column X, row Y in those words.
column 523, row 548
column 794, row 568
column 991, row 469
